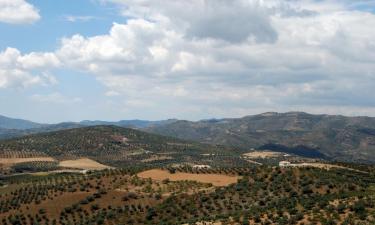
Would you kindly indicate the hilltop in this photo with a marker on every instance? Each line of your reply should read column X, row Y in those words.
column 110, row 145
column 10, row 123
column 329, row 136
column 10, row 128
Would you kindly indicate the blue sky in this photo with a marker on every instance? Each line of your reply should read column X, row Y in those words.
column 45, row 35
column 123, row 59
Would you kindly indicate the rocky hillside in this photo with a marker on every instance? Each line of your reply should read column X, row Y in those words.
column 332, row 137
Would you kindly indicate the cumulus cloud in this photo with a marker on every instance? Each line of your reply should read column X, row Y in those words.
column 19, row 71
column 203, row 58
column 18, row 12
column 247, row 54
column 232, row 21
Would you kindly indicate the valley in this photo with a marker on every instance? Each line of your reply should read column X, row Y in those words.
column 106, row 174
column 187, row 112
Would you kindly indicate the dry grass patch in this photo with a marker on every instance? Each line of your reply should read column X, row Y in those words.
column 83, row 163
column 325, row 166
column 214, row 179
column 156, row 158
column 264, row 154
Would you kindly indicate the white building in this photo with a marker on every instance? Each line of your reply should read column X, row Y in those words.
column 284, row 164
column 201, row 167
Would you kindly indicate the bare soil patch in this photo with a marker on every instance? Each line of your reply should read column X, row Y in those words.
column 264, row 154
column 214, row 179
column 83, row 163
column 156, row 158
column 324, row 166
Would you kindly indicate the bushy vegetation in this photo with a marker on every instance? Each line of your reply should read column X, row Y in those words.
column 35, row 166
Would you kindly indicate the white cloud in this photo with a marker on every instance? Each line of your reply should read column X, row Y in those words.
column 17, row 70
column 73, row 18
column 233, row 21
column 201, row 58
column 249, row 54
column 18, row 12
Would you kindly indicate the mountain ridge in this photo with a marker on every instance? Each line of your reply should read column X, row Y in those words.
column 337, row 137
column 11, row 128
column 11, row 123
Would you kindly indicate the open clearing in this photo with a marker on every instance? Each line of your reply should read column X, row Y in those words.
column 12, row 161
column 320, row 165
column 264, row 154
column 214, row 179
column 325, row 166
column 156, row 158
column 83, row 163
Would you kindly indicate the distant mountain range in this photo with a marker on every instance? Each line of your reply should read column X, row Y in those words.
column 323, row 136
column 10, row 127
column 332, row 137
column 10, row 123
column 128, row 123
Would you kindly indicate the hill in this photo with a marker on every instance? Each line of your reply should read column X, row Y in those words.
column 111, row 145
column 10, row 123
column 329, row 137
column 13, row 133
column 332, row 137
column 128, row 123
column 10, row 128
column 248, row 195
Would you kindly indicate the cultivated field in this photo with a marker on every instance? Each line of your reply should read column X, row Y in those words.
column 12, row 161
column 214, row 179
column 83, row 163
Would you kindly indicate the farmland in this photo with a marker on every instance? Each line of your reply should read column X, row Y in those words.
column 141, row 196
column 214, row 179
column 110, row 175
column 83, row 163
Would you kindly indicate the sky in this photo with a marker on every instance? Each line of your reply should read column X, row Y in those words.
column 72, row 60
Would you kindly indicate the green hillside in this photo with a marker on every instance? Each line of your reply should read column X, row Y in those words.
column 111, row 145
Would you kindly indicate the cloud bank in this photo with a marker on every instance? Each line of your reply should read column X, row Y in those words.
column 203, row 58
